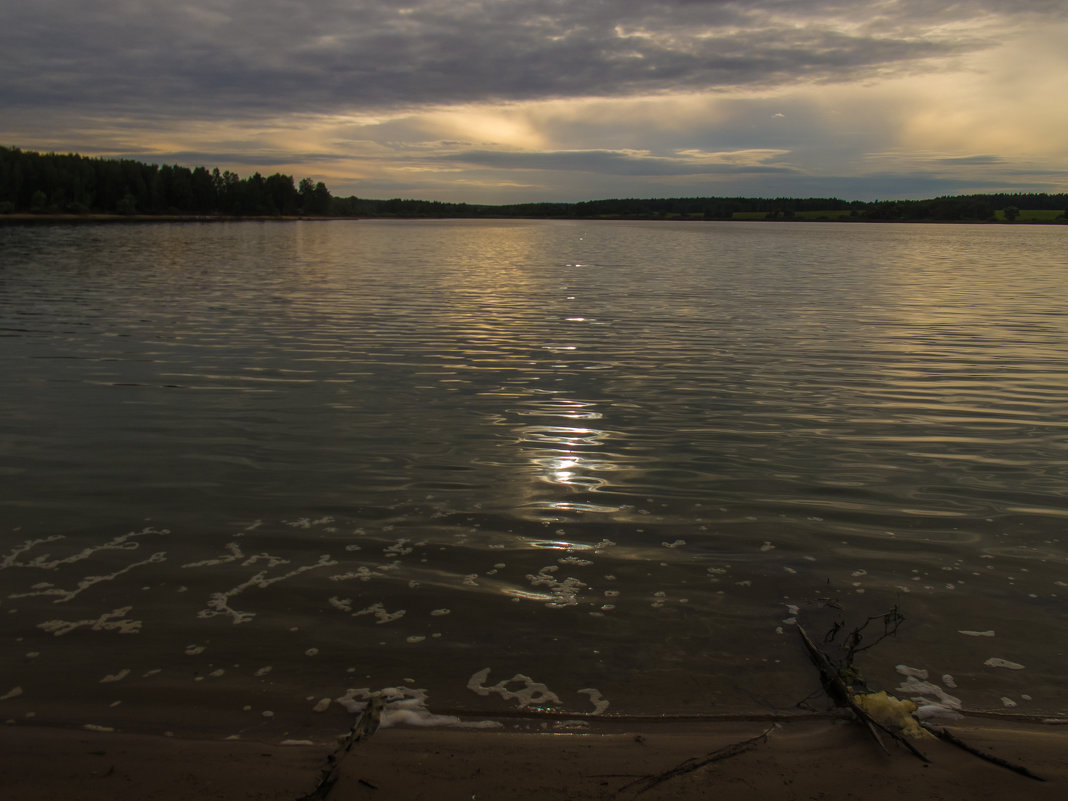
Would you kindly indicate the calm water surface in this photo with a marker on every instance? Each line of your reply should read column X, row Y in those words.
column 538, row 466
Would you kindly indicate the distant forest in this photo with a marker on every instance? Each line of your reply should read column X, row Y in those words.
column 50, row 184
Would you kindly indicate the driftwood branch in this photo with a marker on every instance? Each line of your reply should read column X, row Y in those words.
column 694, row 763
column 891, row 621
column 834, row 679
column 842, row 694
column 949, row 737
column 364, row 727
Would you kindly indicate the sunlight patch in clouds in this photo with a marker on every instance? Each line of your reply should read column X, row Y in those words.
column 1007, row 105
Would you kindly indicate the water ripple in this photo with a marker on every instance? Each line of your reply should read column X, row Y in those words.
column 533, row 439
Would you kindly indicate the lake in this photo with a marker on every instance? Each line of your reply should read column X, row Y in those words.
column 253, row 472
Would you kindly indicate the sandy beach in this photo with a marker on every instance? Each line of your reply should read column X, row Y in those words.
column 817, row 759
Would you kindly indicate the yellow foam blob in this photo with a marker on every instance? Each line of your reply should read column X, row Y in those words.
column 894, row 713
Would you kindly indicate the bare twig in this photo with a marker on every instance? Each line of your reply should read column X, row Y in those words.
column 829, row 674
column 949, row 737
column 842, row 694
column 891, row 621
column 364, row 727
column 694, row 763
column 840, row 680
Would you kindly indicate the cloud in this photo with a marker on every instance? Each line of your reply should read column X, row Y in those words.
column 207, row 59
column 971, row 160
column 605, row 162
column 505, row 100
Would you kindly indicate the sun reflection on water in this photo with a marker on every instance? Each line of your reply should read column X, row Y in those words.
column 573, row 458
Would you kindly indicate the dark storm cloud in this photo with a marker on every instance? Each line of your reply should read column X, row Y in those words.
column 213, row 58
column 238, row 155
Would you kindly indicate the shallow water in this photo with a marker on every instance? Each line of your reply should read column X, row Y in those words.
column 613, row 458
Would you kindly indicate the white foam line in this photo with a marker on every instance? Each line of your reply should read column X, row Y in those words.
column 600, row 703
column 106, row 622
column 11, row 558
column 122, row 674
column 381, row 614
column 89, row 581
column 406, row 705
column 532, row 692
column 119, row 543
column 574, row 560
column 401, row 547
column 219, row 602
column 235, row 554
column 564, row 591
column 922, row 688
column 363, row 573
column 996, row 661
column 341, row 604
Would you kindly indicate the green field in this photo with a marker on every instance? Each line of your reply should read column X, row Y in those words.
column 1025, row 215
column 1034, row 215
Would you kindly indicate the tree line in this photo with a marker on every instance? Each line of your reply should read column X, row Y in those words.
column 50, row 183
column 72, row 184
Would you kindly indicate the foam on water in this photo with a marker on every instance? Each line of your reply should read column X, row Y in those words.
column 527, row 693
column 108, row 621
column 406, row 706
column 998, row 662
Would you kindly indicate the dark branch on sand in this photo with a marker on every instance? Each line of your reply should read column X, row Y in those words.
column 839, row 679
column 364, row 727
column 842, row 694
column 949, row 737
column 694, row 763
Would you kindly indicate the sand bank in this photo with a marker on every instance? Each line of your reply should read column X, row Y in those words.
column 800, row 760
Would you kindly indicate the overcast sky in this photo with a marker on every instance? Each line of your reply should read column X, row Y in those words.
column 510, row 100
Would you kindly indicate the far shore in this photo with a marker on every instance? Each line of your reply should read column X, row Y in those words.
column 23, row 218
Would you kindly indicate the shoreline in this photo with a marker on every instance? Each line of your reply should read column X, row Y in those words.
column 798, row 760
column 26, row 218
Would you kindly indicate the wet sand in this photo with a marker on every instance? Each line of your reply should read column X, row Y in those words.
column 818, row 759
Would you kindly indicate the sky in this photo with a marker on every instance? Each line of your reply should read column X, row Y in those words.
column 502, row 101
